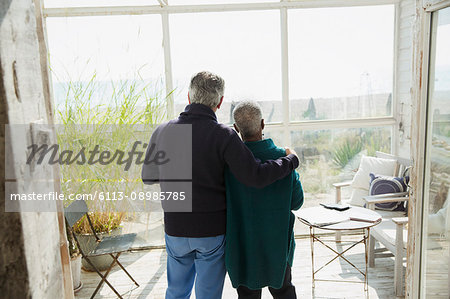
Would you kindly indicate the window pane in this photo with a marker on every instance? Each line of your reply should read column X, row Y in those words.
column 112, row 47
column 275, row 134
column 341, row 62
column 108, row 70
column 332, row 156
column 436, row 244
column 241, row 47
column 109, row 52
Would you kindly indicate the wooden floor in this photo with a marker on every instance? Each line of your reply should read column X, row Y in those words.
column 437, row 275
column 149, row 269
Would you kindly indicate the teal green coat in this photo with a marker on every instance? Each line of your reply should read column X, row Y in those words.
column 260, row 239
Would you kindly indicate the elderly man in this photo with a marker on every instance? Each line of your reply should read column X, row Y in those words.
column 195, row 241
column 260, row 239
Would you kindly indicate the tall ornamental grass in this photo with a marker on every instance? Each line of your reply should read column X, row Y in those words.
column 111, row 116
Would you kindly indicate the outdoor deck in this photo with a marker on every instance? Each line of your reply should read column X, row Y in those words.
column 149, row 269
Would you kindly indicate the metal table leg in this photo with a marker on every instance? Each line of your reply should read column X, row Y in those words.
column 366, row 275
column 311, row 236
column 364, row 240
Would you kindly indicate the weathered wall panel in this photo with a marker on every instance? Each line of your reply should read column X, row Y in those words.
column 419, row 68
column 404, row 76
column 29, row 240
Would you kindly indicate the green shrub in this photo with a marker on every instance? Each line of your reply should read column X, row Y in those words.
column 349, row 148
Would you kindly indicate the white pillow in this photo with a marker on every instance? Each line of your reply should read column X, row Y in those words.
column 374, row 165
column 356, row 199
column 361, row 180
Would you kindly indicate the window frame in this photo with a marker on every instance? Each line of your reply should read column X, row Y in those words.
column 164, row 9
column 428, row 46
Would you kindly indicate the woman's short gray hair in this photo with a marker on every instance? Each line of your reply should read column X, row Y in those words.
column 206, row 88
column 247, row 116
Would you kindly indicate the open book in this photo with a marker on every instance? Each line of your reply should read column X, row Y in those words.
column 320, row 216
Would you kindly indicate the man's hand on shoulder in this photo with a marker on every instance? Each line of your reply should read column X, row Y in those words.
column 295, row 162
column 290, row 151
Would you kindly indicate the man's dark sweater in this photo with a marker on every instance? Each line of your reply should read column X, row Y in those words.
column 215, row 145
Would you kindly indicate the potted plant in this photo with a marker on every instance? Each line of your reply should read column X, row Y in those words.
column 94, row 115
column 105, row 223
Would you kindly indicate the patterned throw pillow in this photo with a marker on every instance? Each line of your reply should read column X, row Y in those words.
column 387, row 184
column 361, row 183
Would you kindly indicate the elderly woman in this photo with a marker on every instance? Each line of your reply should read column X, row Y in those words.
column 260, row 240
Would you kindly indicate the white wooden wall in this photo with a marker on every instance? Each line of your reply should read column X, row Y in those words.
column 404, row 76
column 23, row 96
column 406, row 122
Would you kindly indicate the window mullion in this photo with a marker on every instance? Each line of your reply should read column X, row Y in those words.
column 167, row 65
column 285, row 75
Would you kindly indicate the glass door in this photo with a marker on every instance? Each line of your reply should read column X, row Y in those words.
column 435, row 274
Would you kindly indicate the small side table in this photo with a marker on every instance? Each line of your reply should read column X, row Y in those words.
column 349, row 225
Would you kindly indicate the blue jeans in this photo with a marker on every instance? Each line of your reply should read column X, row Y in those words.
column 199, row 259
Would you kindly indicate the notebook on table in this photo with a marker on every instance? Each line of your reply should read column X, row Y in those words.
column 322, row 217
column 359, row 215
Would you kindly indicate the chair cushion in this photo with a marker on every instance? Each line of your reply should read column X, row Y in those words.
column 387, row 230
column 356, row 199
column 361, row 180
column 372, row 165
column 391, row 214
column 380, row 184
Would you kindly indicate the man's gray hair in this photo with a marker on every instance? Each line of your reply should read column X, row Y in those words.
column 247, row 117
column 206, row 88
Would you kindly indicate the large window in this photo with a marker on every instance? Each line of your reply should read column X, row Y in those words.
column 435, row 282
column 322, row 75
column 243, row 47
column 341, row 62
column 106, row 70
column 105, row 55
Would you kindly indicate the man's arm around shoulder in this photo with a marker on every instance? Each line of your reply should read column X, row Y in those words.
column 253, row 172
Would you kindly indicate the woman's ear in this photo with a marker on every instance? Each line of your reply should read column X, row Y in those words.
column 262, row 124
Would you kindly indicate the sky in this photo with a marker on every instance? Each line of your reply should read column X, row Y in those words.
column 442, row 69
column 332, row 51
